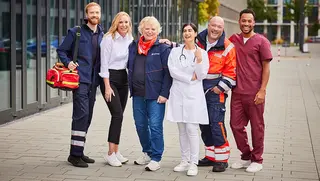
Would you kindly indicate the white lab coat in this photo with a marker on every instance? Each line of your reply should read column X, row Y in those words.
column 187, row 101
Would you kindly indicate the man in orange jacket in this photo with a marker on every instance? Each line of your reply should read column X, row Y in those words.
column 220, row 79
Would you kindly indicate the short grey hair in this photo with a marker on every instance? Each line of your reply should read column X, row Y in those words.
column 149, row 20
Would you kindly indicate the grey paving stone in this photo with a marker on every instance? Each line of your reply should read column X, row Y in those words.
column 108, row 179
column 65, row 176
column 301, row 175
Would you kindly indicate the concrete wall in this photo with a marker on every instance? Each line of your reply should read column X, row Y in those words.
column 229, row 10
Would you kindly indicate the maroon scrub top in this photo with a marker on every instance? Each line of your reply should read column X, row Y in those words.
column 249, row 62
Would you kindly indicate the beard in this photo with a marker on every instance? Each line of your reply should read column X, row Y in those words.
column 246, row 32
column 94, row 20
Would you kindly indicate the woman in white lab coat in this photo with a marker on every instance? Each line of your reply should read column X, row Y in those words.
column 188, row 66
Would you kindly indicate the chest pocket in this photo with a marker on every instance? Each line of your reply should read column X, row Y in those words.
column 217, row 59
column 153, row 62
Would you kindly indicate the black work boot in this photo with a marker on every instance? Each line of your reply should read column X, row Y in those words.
column 87, row 159
column 205, row 162
column 77, row 161
column 219, row 166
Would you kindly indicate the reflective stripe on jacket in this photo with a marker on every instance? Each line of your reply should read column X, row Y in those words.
column 222, row 58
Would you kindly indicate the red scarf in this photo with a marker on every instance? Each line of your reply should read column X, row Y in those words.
column 144, row 46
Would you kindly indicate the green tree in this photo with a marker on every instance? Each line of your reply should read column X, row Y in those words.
column 262, row 11
column 314, row 28
column 207, row 9
column 293, row 13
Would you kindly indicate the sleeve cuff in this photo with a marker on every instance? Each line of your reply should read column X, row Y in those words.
column 220, row 88
column 104, row 75
column 67, row 63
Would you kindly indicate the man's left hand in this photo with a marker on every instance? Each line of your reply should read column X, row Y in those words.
column 216, row 90
column 166, row 41
column 260, row 97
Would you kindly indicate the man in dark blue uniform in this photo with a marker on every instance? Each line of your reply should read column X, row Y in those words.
column 88, row 66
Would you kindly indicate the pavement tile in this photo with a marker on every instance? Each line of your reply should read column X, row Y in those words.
column 297, row 179
column 301, row 175
column 65, row 176
column 84, row 172
column 108, row 179
column 23, row 179
column 157, row 175
column 116, row 174
column 34, row 175
column 6, row 177
column 225, row 177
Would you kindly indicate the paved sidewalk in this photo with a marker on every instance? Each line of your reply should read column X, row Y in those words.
column 36, row 148
column 294, row 52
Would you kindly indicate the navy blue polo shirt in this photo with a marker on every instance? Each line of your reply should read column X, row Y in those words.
column 95, row 46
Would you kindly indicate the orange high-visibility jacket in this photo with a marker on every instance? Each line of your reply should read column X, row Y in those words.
column 222, row 58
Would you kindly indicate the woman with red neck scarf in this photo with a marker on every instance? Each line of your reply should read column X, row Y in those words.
column 149, row 82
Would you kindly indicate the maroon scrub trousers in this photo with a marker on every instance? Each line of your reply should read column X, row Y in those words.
column 250, row 56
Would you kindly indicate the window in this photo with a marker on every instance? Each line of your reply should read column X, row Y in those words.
column 285, row 12
column 313, row 17
column 313, row 2
column 273, row 2
column 286, row 1
column 54, row 27
column 285, row 33
column 5, row 55
column 32, row 42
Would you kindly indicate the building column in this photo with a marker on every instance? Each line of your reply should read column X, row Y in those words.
column 280, row 18
column 278, row 31
column 292, row 34
column 306, row 22
column 265, row 27
column 319, row 16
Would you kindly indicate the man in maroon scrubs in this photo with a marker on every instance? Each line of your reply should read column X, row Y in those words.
column 248, row 97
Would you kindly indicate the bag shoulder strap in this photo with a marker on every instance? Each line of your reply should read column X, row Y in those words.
column 76, row 47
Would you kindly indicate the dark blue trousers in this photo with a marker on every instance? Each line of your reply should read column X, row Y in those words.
column 83, row 102
column 214, row 134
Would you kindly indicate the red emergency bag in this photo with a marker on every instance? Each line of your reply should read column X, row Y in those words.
column 60, row 76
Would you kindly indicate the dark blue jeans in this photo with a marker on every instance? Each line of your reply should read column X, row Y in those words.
column 148, row 116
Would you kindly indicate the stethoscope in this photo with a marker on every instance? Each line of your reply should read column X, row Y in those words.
column 183, row 57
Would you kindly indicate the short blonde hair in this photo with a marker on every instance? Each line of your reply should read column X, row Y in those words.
column 149, row 20
column 115, row 22
column 90, row 5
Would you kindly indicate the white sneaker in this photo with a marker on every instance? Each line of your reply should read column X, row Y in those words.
column 153, row 166
column 112, row 160
column 183, row 166
column 193, row 170
column 241, row 164
column 254, row 167
column 121, row 158
column 143, row 160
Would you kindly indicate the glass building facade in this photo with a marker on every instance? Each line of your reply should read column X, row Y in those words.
column 31, row 30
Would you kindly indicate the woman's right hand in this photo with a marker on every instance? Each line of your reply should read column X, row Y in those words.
column 108, row 93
